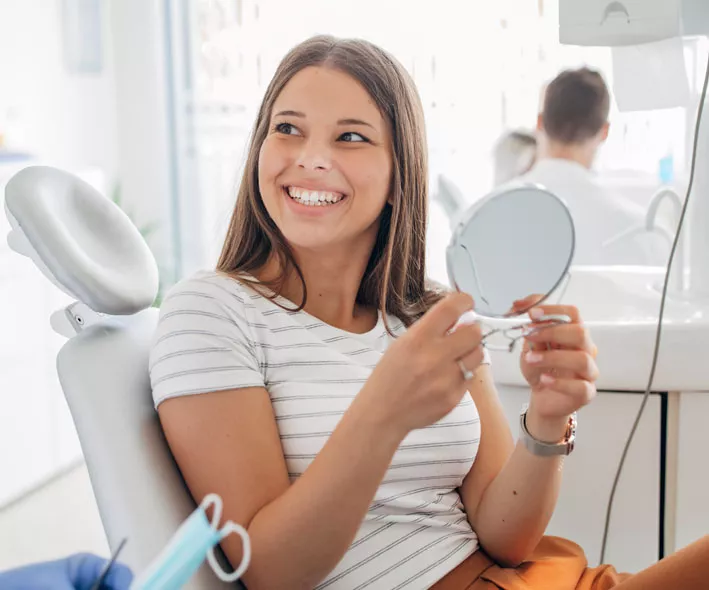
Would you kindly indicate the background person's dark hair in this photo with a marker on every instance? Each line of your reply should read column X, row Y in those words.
column 576, row 106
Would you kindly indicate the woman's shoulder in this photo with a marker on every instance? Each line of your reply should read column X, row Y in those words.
column 211, row 292
column 211, row 284
column 204, row 340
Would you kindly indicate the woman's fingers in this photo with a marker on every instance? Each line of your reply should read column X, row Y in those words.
column 444, row 315
column 579, row 391
column 471, row 361
column 579, row 362
column 569, row 310
column 561, row 335
column 522, row 305
column 463, row 341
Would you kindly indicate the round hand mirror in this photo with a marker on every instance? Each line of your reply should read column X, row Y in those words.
column 510, row 251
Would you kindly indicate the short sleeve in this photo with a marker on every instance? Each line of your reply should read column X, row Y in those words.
column 203, row 342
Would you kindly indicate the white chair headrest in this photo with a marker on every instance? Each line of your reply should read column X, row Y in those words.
column 81, row 240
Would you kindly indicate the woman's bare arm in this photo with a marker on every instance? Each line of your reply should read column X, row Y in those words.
column 509, row 494
column 228, row 443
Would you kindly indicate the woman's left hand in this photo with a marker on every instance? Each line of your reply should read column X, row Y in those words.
column 559, row 364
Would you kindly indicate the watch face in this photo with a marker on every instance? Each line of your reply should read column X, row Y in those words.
column 571, row 433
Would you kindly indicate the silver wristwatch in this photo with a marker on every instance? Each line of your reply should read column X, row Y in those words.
column 542, row 449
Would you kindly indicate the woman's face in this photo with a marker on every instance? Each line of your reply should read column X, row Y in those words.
column 325, row 166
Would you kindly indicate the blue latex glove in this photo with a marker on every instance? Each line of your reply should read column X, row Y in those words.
column 78, row 572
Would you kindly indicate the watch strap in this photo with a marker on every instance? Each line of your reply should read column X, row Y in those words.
column 544, row 449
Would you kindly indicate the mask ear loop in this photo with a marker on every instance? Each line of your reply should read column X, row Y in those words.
column 232, row 527
column 209, row 500
column 229, row 527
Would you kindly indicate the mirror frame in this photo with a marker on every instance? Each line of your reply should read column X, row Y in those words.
column 473, row 210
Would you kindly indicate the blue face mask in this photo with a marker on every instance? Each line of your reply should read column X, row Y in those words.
column 191, row 544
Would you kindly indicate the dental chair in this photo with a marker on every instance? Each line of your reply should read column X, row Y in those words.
column 91, row 250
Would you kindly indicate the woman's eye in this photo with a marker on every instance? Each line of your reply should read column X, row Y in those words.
column 352, row 137
column 287, row 129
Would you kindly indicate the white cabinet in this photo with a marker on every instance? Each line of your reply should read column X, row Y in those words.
column 603, row 429
column 692, row 511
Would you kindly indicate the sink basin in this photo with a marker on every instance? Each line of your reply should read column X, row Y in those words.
column 620, row 306
column 629, row 295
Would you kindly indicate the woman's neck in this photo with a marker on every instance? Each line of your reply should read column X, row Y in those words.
column 332, row 282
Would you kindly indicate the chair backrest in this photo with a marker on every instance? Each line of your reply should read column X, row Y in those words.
column 90, row 249
column 140, row 494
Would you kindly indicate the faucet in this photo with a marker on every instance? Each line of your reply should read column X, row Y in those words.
column 691, row 278
column 678, row 278
column 678, row 286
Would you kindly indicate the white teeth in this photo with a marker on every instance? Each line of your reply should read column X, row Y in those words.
column 313, row 198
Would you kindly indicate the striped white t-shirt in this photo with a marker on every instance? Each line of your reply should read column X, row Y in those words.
column 217, row 334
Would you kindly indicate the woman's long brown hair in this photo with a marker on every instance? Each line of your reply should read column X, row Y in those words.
column 394, row 280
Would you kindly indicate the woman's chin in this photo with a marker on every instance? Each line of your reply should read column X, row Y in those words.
column 327, row 239
column 308, row 238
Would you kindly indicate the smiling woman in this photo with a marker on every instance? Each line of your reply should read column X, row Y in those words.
column 321, row 174
column 316, row 383
column 316, row 152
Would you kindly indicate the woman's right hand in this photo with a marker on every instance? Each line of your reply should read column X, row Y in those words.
column 419, row 379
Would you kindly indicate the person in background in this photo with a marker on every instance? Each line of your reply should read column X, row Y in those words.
column 572, row 127
column 77, row 572
column 514, row 154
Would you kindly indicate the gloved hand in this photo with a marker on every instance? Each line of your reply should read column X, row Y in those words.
column 78, row 572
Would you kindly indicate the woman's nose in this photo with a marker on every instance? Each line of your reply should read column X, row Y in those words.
column 315, row 155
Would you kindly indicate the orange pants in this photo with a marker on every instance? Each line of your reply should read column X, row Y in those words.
column 559, row 564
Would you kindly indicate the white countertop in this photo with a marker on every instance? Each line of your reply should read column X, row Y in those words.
column 620, row 306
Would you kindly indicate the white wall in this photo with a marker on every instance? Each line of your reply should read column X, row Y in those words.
column 65, row 118
column 143, row 118
column 68, row 120
column 115, row 120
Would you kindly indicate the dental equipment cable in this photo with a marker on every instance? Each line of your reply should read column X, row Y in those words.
column 658, row 333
